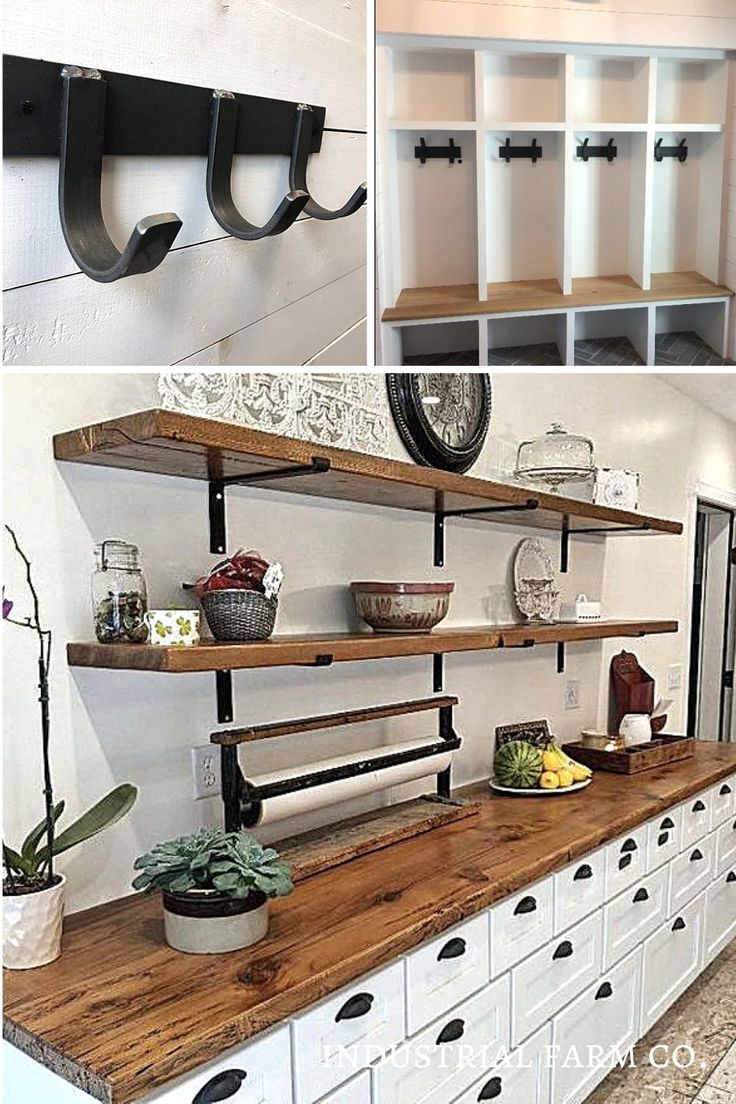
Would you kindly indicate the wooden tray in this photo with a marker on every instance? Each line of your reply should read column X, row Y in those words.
column 657, row 753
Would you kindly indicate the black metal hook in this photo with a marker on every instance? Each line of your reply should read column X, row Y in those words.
column 680, row 151
column 586, row 151
column 80, row 178
column 223, row 129
column 298, row 169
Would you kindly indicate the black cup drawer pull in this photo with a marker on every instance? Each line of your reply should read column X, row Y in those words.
column 731, row 877
column 491, row 1089
column 221, row 1087
column 564, row 950
column 667, row 823
column 356, row 1006
column 679, row 924
column 605, row 991
column 698, row 807
column 453, row 949
column 662, row 839
column 452, row 1031
column 629, row 845
column 526, row 904
column 624, row 861
column 725, row 789
column 696, row 855
column 582, row 873
column 640, row 895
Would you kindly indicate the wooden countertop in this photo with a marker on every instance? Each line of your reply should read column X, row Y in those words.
column 120, row 1013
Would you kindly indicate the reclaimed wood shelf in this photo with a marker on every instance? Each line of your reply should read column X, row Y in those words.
column 286, row 651
column 168, row 443
column 120, row 1013
column 415, row 304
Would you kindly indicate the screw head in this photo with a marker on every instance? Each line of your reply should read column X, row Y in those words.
column 27, row 107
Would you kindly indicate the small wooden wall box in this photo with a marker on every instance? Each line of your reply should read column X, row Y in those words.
column 632, row 689
column 641, row 757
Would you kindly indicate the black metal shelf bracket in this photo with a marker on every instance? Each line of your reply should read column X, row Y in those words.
column 242, row 801
column 224, row 128
column 441, row 515
column 438, row 672
column 532, row 153
column 317, row 466
column 451, row 153
column 83, row 100
column 680, row 151
column 565, row 537
column 224, row 694
column 300, row 150
column 586, row 151
column 560, row 656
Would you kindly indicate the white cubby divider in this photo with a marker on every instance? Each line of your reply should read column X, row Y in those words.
column 487, row 237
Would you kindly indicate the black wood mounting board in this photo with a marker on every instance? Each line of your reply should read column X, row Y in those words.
column 143, row 116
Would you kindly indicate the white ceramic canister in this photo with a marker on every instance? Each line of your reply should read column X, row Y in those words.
column 173, row 626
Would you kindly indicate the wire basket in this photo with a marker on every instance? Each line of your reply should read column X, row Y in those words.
column 239, row 614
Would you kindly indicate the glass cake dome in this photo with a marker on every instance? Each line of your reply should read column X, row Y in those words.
column 556, row 457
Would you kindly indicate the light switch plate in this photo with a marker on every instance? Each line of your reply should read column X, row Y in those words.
column 674, row 677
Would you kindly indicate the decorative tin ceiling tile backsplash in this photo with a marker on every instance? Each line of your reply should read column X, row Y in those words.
column 345, row 409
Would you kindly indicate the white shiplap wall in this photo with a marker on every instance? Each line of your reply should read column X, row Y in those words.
column 729, row 251
column 297, row 298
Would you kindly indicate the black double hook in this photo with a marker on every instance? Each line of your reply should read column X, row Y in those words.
column 223, row 130
column 80, row 180
column 300, row 151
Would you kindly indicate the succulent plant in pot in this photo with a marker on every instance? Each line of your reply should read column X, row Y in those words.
column 216, row 886
column 33, row 891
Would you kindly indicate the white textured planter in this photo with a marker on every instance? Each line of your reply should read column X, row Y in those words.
column 201, row 922
column 32, row 927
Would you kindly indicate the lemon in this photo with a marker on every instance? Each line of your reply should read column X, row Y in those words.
column 565, row 776
column 550, row 780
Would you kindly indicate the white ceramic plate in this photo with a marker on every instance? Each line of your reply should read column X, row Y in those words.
column 537, row 791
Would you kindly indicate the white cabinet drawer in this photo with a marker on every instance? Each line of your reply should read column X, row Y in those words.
column 519, row 925
column 266, row 1063
column 671, row 961
column 524, row 1077
column 444, row 972
column 357, row 1091
column 691, row 872
column 696, row 816
column 634, row 915
column 726, row 845
column 626, row 861
column 542, row 984
column 579, row 890
column 720, row 914
column 723, row 797
column 605, row 1017
column 436, row 1065
column 364, row 1019
column 664, row 838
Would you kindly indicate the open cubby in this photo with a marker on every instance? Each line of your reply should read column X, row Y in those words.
column 686, row 220
column 440, row 343
column 691, row 92
column 524, row 209
column 491, row 237
column 612, row 337
column 680, row 327
column 524, row 88
column 437, row 223
column 611, row 90
column 433, row 84
column 608, row 199
column 539, row 339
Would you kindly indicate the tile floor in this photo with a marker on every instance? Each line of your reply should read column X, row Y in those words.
column 704, row 1018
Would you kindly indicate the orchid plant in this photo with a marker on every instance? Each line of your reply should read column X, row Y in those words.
column 32, row 867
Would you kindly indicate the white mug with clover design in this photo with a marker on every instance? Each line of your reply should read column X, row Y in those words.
column 173, row 626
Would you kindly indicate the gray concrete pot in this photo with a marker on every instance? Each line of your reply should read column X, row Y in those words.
column 204, row 921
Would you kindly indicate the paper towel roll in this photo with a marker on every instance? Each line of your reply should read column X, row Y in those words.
column 331, row 793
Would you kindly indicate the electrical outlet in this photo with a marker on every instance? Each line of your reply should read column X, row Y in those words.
column 572, row 694
column 674, row 677
column 206, row 771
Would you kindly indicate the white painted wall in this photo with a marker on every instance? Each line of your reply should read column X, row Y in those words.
column 214, row 300
column 109, row 727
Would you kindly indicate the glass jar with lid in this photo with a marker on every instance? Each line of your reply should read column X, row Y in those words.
column 119, row 599
column 555, row 458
